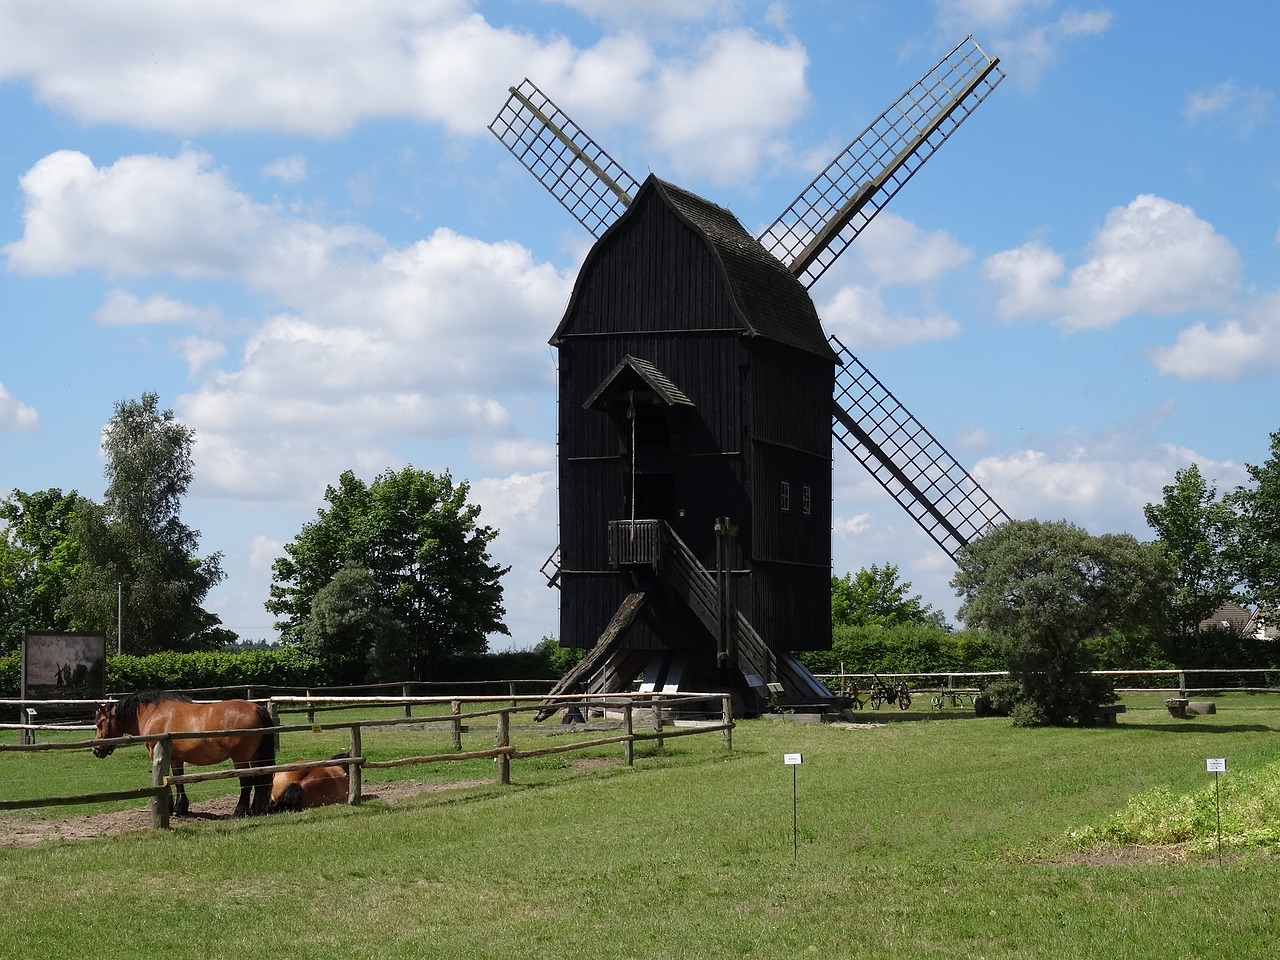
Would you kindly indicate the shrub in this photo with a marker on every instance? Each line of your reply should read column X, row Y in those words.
column 904, row 648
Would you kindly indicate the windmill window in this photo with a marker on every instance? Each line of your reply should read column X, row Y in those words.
column 806, row 500
column 786, row 496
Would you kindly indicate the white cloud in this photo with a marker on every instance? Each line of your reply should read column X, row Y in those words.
column 1017, row 31
column 858, row 316
column 1099, row 481
column 120, row 308
column 1243, row 110
column 198, row 352
column 291, row 169
column 373, row 344
column 717, row 114
column 16, row 415
column 612, row 10
column 895, row 250
column 523, row 453
column 263, row 552
column 1231, row 350
column 319, row 69
column 851, row 526
column 892, row 251
column 1153, row 256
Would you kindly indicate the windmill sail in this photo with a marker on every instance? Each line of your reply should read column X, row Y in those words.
column 908, row 461
column 577, row 171
column 831, row 212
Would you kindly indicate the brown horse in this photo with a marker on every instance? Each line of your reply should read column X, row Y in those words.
column 142, row 714
column 298, row 790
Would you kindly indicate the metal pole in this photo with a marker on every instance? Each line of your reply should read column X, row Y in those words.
column 1218, row 800
column 795, row 817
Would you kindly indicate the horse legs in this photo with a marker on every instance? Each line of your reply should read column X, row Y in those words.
column 261, row 794
column 246, row 785
column 180, row 805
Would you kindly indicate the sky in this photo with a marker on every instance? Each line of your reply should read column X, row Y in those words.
column 290, row 221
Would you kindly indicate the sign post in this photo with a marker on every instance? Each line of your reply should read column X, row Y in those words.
column 1217, row 766
column 793, row 760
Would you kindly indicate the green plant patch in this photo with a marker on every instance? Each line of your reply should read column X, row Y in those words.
column 1245, row 807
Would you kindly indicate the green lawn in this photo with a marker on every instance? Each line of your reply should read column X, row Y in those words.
column 921, row 834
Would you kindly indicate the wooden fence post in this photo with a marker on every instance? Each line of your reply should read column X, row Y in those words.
column 355, row 771
column 455, row 708
column 726, row 717
column 161, row 755
column 1182, row 684
column 657, row 722
column 628, row 745
column 511, row 689
column 408, row 707
column 504, row 740
column 311, row 709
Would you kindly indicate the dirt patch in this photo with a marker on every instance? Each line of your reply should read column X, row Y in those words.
column 27, row 831
column 1128, row 856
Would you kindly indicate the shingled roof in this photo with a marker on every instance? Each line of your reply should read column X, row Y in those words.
column 771, row 302
column 633, row 370
column 768, row 300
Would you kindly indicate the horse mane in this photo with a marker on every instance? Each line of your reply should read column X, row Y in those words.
column 127, row 706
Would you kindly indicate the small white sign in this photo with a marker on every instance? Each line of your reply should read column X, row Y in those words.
column 793, row 759
column 1218, row 765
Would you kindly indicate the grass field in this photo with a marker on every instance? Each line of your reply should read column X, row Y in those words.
column 920, row 834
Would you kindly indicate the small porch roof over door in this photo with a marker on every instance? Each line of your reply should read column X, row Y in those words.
column 633, row 373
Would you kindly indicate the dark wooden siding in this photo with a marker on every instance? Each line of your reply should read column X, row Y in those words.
column 761, row 413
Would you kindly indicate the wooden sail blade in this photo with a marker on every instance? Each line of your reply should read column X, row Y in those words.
column 908, row 461
column 831, row 212
column 577, row 171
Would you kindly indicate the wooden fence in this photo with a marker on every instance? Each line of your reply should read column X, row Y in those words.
column 948, row 681
column 504, row 751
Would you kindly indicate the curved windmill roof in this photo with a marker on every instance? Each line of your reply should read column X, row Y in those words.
column 769, row 301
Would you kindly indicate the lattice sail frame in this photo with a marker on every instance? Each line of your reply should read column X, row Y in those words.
column 830, row 213
column 576, row 169
column 908, row 461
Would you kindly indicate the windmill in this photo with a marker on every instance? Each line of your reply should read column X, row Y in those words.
column 698, row 401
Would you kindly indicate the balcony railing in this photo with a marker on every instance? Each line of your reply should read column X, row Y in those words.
column 633, row 542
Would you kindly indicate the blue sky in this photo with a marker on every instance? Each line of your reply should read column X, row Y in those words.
column 290, row 221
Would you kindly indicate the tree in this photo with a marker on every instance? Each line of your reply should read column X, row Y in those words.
column 874, row 596
column 37, row 563
column 136, row 542
column 1045, row 589
column 347, row 620
column 1256, row 549
column 1195, row 529
column 420, row 543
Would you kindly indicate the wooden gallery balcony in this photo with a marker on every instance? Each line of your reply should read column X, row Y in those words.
column 636, row 542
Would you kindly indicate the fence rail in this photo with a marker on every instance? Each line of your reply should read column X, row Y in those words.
column 503, row 750
column 947, row 680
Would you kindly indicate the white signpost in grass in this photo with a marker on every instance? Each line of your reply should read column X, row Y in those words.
column 794, row 760
column 1217, row 766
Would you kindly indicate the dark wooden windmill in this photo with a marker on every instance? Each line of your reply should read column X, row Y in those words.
column 698, row 396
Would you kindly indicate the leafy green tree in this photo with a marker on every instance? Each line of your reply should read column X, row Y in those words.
column 1195, row 529
column 348, row 619
column 874, row 596
column 37, row 563
column 420, row 542
column 136, row 541
column 1046, row 589
column 1256, row 550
